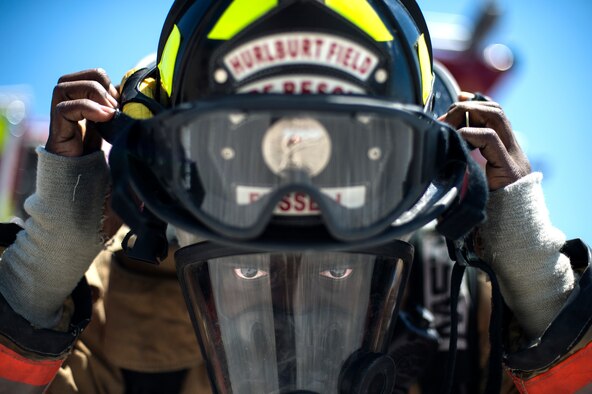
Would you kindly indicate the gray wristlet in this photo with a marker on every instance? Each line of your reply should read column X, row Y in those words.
column 522, row 247
column 61, row 238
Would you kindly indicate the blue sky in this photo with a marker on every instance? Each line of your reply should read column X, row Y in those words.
column 546, row 97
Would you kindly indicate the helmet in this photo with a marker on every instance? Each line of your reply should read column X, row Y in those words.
column 306, row 199
column 361, row 161
column 381, row 48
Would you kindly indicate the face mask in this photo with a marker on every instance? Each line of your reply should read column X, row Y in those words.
column 294, row 322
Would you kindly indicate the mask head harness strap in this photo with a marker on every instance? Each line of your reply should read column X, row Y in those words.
column 461, row 252
column 131, row 92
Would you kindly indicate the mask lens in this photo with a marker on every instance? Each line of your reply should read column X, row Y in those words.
column 357, row 171
column 285, row 322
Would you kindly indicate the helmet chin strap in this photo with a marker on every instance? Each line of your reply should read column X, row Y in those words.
column 463, row 258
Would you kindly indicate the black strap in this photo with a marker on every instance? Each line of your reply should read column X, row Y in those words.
column 130, row 93
column 457, row 274
column 494, row 377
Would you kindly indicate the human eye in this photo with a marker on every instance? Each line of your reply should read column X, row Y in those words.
column 337, row 273
column 249, row 273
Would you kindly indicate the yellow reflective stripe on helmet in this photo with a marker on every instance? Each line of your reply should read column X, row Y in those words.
column 425, row 67
column 238, row 15
column 361, row 14
column 166, row 66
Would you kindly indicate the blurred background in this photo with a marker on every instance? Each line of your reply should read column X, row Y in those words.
column 533, row 58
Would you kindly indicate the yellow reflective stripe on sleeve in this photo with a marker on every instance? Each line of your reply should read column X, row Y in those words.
column 238, row 15
column 166, row 66
column 361, row 14
column 425, row 66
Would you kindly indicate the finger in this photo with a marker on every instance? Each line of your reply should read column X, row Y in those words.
column 87, row 89
column 97, row 74
column 481, row 114
column 467, row 96
column 482, row 110
column 457, row 109
column 67, row 134
column 490, row 145
column 77, row 110
column 69, row 113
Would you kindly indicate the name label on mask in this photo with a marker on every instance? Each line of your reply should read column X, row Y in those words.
column 317, row 49
column 295, row 204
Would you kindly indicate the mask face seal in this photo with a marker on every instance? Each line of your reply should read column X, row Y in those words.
column 293, row 322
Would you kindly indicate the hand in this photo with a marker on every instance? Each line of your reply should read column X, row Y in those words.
column 81, row 96
column 78, row 97
column 489, row 130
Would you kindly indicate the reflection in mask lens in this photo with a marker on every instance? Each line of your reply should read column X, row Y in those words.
column 290, row 317
column 288, row 322
column 343, row 159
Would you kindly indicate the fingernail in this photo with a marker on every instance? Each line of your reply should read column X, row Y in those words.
column 108, row 110
column 466, row 96
column 113, row 91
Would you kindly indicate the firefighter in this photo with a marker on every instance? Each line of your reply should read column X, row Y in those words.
column 299, row 299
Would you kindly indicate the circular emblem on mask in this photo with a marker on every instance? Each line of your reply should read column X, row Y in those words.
column 297, row 144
